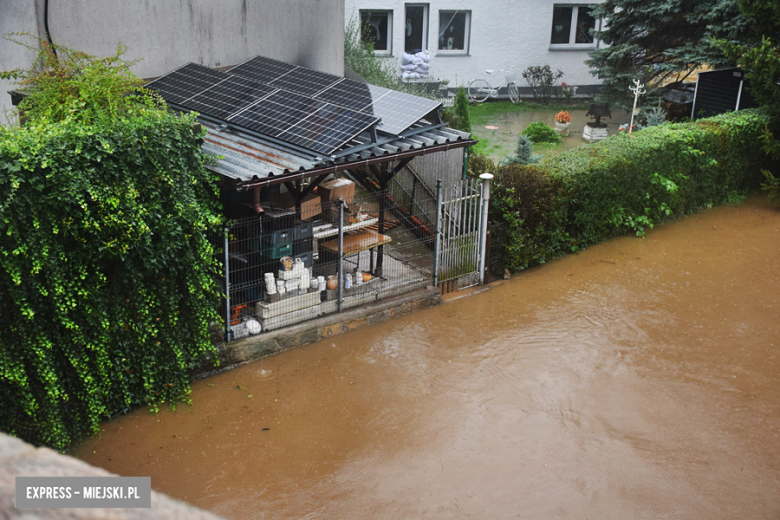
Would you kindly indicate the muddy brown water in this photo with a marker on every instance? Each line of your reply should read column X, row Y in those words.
column 637, row 379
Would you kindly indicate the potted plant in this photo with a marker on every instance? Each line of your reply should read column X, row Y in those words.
column 562, row 120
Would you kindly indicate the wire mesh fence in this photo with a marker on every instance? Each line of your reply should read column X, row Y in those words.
column 286, row 266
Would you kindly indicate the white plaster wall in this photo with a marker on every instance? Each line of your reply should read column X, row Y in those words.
column 503, row 33
column 15, row 16
column 170, row 33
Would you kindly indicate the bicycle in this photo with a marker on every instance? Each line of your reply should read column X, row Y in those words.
column 479, row 89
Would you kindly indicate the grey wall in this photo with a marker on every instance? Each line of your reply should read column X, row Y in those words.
column 169, row 33
column 15, row 16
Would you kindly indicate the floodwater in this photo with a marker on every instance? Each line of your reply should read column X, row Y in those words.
column 503, row 140
column 637, row 379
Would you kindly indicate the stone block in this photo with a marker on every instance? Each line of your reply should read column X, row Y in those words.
column 331, row 330
column 290, row 318
column 286, row 306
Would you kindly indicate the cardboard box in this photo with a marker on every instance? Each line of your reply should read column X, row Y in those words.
column 310, row 205
column 331, row 190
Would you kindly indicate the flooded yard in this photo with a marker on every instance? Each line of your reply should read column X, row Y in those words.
column 506, row 127
column 637, row 379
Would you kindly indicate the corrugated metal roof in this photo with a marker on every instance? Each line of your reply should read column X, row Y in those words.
column 248, row 159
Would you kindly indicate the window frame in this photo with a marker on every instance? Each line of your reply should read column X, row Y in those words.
column 425, row 23
column 389, row 12
column 466, row 34
column 573, row 30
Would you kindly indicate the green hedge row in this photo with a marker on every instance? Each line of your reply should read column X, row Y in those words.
column 625, row 183
column 106, row 291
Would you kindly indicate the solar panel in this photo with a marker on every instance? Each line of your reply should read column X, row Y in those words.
column 305, row 107
column 328, row 128
column 186, row 82
column 352, row 94
column 262, row 69
column 305, row 81
column 228, row 97
column 399, row 111
column 303, row 121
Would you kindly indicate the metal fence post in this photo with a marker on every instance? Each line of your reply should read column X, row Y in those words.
column 437, row 235
column 483, row 224
column 341, row 253
column 228, row 332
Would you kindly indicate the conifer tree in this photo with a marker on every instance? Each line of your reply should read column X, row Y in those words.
column 661, row 41
column 462, row 111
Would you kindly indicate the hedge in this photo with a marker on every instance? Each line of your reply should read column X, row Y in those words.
column 625, row 183
column 106, row 291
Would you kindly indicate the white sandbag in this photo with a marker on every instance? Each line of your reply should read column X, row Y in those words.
column 406, row 58
column 423, row 66
column 408, row 67
column 423, row 55
column 417, row 61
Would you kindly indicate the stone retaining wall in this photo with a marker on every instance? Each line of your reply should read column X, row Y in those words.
column 264, row 344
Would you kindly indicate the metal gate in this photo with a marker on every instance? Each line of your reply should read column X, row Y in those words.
column 458, row 245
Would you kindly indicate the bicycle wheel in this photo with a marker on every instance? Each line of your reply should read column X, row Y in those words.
column 479, row 90
column 514, row 95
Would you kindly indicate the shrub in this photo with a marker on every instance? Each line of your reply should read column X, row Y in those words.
column 106, row 291
column 625, row 183
column 541, row 79
column 539, row 132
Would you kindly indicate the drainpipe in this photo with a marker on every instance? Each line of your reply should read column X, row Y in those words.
column 46, row 27
column 483, row 224
column 256, row 196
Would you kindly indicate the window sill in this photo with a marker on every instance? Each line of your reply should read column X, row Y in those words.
column 452, row 54
column 383, row 54
column 566, row 47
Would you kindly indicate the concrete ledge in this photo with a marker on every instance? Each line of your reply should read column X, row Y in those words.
column 267, row 343
column 19, row 459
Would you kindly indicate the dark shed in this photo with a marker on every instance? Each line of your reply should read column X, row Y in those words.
column 720, row 91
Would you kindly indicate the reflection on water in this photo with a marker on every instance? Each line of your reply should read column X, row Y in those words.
column 637, row 379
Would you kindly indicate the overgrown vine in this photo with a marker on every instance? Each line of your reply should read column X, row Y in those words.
column 106, row 292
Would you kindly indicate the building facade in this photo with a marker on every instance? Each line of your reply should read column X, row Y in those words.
column 166, row 34
column 464, row 38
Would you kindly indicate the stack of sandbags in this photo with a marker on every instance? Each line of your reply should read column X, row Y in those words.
column 415, row 66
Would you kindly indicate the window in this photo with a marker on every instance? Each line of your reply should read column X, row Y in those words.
column 416, row 28
column 454, row 31
column 572, row 25
column 377, row 27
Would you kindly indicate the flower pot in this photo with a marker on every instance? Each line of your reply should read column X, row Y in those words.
column 561, row 126
column 333, row 283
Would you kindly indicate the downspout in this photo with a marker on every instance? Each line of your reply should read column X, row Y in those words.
column 46, row 27
column 256, row 200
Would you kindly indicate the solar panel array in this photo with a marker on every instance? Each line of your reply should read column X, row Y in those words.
column 397, row 110
column 305, row 107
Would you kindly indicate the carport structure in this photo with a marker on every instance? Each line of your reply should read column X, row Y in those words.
column 272, row 123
